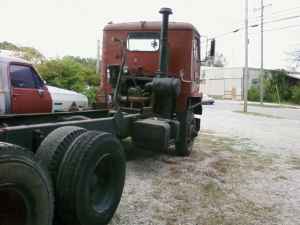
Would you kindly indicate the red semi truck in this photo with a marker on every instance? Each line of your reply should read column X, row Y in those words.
column 155, row 66
column 150, row 76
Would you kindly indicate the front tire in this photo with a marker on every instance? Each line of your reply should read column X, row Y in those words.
column 188, row 132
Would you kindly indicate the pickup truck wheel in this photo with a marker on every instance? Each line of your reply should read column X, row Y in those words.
column 187, row 134
column 53, row 148
column 91, row 179
column 25, row 189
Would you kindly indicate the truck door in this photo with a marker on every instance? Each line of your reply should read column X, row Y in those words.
column 28, row 92
column 196, row 64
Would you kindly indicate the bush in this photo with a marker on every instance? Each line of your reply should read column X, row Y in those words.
column 296, row 94
column 90, row 92
column 253, row 94
column 276, row 87
column 270, row 91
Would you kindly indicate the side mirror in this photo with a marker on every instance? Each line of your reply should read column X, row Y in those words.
column 212, row 51
column 45, row 82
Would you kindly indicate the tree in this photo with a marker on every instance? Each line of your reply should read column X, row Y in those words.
column 72, row 73
column 277, row 87
column 220, row 60
column 28, row 53
column 295, row 94
column 8, row 46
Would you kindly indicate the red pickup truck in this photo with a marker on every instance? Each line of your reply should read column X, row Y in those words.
column 22, row 90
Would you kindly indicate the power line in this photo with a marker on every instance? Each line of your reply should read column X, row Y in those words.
column 282, row 19
column 285, row 10
column 277, row 29
column 282, row 11
column 257, row 25
column 275, row 14
column 268, row 17
column 283, row 28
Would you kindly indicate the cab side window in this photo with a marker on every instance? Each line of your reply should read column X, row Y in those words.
column 24, row 77
column 196, row 49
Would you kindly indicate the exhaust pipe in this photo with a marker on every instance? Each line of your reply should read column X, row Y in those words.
column 163, row 60
column 165, row 89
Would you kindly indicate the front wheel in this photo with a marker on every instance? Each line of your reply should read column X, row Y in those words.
column 187, row 134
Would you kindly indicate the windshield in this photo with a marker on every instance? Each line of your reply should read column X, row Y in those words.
column 148, row 42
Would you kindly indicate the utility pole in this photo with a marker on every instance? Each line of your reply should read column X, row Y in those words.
column 98, row 57
column 262, row 72
column 261, row 80
column 245, row 79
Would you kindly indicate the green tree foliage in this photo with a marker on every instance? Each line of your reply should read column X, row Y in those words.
column 32, row 55
column 296, row 94
column 253, row 94
column 28, row 53
column 277, row 87
column 8, row 46
column 72, row 73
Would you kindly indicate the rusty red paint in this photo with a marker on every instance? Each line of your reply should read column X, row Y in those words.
column 181, row 57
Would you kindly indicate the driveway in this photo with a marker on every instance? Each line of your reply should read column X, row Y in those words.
column 266, row 129
column 244, row 170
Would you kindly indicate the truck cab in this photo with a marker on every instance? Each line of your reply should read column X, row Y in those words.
column 139, row 44
column 154, row 67
column 21, row 88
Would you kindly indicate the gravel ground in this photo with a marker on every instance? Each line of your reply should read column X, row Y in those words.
column 244, row 170
column 264, row 131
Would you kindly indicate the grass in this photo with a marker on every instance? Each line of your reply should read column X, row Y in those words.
column 286, row 105
column 259, row 114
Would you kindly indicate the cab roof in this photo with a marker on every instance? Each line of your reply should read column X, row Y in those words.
column 10, row 59
column 148, row 26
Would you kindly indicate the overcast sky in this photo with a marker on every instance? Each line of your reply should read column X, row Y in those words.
column 71, row 27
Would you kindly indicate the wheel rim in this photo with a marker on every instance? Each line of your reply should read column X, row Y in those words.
column 101, row 184
column 15, row 210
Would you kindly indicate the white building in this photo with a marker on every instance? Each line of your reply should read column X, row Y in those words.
column 226, row 83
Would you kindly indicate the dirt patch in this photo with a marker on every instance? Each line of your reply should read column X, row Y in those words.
column 221, row 183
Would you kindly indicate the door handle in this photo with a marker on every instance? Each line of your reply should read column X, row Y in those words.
column 41, row 92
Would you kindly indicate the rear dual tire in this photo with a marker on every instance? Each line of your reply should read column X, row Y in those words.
column 54, row 146
column 88, row 170
column 91, row 179
column 25, row 189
